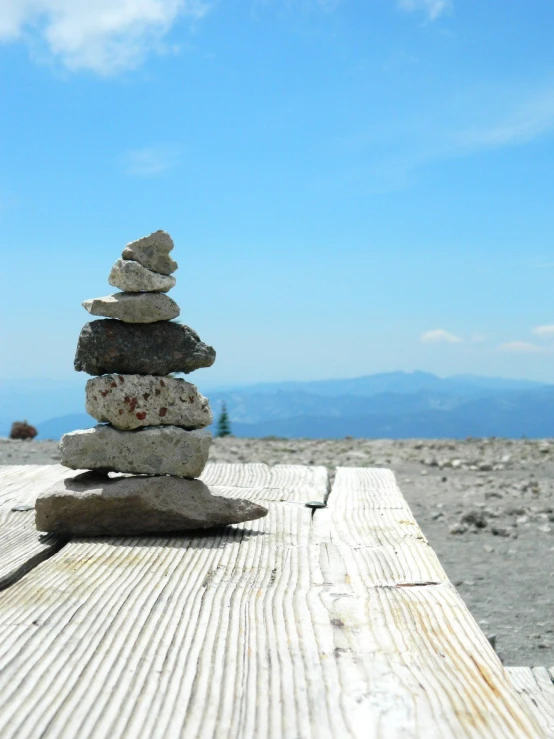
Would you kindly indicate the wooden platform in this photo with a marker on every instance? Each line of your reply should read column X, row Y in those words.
column 333, row 622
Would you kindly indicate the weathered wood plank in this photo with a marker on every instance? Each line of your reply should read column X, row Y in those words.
column 289, row 626
column 206, row 635
column 278, row 483
column 21, row 484
column 421, row 662
column 22, row 547
column 535, row 686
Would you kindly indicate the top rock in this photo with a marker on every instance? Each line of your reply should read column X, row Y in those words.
column 152, row 252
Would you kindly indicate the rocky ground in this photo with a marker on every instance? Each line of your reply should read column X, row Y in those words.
column 486, row 506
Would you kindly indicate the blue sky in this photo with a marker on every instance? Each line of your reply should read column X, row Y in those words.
column 353, row 186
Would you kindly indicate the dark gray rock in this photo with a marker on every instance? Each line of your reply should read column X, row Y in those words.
column 111, row 346
column 92, row 504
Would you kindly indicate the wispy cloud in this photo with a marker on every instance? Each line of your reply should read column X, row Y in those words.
column 152, row 160
column 104, row 36
column 520, row 347
column 439, row 335
column 528, row 120
column 505, row 119
column 432, row 8
column 328, row 6
column 545, row 331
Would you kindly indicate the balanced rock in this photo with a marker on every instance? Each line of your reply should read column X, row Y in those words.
column 158, row 450
column 107, row 346
column 152, row 252
column 133, row 401
column 134, row 307
column 96, row 505
column 134, row 278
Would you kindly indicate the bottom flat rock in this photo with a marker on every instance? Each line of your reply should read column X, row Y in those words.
column 92, row 504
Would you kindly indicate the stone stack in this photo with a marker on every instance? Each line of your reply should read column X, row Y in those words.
column 153, row 424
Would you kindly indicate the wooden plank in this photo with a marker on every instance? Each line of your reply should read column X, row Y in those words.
column 283, row 627
column 278, row 483
column 408, row 645
column 536, row 687
column 21, row 484
column 379, row 539
column 201, row 636
column 22, row 547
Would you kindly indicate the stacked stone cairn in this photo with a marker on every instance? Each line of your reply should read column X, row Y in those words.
column 152, row 425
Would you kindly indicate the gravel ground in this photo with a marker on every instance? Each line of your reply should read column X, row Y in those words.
column 486, row 506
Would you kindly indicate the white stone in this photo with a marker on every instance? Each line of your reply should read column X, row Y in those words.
column 159, row 450
column 152, row 252
column 91, row 504
column 134, row 278
column 133, row 401
column 134, row 307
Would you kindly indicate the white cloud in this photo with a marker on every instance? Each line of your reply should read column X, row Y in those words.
column 152, row 160
column 520, row 347
column 104, row 36
column 433, row 8
column 439, row 335
column 547, row 331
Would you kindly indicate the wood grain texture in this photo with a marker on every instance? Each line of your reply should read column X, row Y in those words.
column 423, row 666
column 20, row 484
column 22, row 547
column 206, row 635
column 536, row 686
column 300, row 624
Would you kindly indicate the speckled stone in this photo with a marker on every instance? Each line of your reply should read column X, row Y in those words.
column 132, row 277
column 152, row 252
column 157, row 450
column 133, row 401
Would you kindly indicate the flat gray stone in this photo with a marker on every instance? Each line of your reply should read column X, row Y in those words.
column 152, row 252
column 133, row 401
column 159, row 450
column 134, row 307
column 107, row 346
column 132, row 277
column 91, row 504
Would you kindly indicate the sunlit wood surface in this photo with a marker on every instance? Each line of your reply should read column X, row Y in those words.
column 327, row 622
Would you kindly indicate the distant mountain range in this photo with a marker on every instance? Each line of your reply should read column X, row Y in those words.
column 392, row 405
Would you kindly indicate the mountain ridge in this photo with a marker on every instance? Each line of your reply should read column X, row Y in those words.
column 394, row 405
